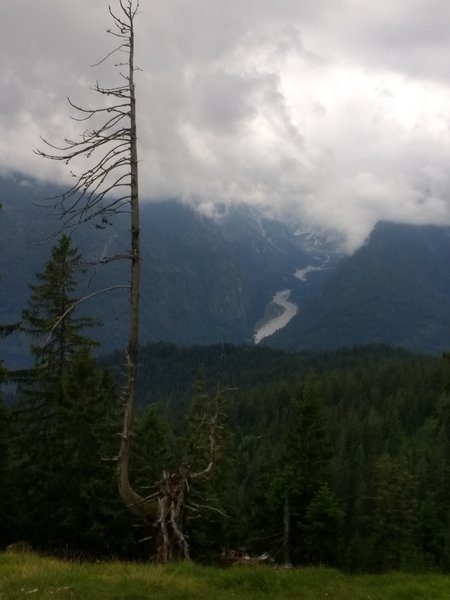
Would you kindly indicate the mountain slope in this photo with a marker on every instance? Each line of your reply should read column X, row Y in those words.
column 203, row 279
column 394, row 290
column 210, row 279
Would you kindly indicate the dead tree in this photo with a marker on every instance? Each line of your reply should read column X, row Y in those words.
column 174, row 488
column 109, row 186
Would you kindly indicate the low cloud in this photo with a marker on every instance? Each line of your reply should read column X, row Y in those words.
column 333, row 112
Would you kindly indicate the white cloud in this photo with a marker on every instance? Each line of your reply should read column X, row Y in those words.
column 337, row 110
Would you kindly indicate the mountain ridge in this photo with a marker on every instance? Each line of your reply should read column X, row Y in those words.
column 206, row 280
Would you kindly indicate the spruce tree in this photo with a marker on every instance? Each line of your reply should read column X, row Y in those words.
column 323, row 520
column 302, row 469
column 84, row 516
column 392, row 515
column 7, row 503
column 8, row 500
column 55, row 333
column 64, row 417
column 49, row 317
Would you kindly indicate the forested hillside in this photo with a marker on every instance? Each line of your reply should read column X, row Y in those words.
column 207, row 279
column 358, row 440
column 203, row 279
column 338, row 458
column 352, row 446
column 395, row 289
column 227, row 340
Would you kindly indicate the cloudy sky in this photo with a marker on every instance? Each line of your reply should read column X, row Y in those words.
column 334, row 111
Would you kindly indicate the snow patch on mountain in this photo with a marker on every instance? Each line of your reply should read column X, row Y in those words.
column 302, row 274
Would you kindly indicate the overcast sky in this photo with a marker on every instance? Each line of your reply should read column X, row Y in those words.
column 336, row 111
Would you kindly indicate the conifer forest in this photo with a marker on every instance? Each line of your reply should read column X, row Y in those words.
column 219, row 453
column 337, row 458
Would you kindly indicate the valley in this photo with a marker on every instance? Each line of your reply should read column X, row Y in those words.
column 232, row 273
column 225, row 301
column 205, row 283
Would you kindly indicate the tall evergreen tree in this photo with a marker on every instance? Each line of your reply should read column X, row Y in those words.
column 392, row 515
column 64, row 416
column 55, row 332
column 7, row 493
column 83, row 517
column 5, row 460
column 303, row 468
column 323, row 519
column 49, row 317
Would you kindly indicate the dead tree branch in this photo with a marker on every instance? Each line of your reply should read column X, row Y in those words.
column 103, row 189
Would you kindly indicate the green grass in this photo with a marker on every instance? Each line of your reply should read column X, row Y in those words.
column 37, row 578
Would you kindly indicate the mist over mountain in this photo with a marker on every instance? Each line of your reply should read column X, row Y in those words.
column 238, row 274
column 203, row 279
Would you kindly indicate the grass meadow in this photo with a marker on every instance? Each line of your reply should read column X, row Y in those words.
column 30, row 576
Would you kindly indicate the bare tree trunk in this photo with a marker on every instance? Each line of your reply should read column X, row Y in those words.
column 172, row 541
column 103, row 190
column 163, row 550
column 127, row 494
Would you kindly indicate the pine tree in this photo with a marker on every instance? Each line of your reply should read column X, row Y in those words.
column 392, row 515
column 64, row 418
column 49, row 317
column 7, row 494
column 323, row 520
column 84, row 516
column 6, row 477
column 303, row 467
